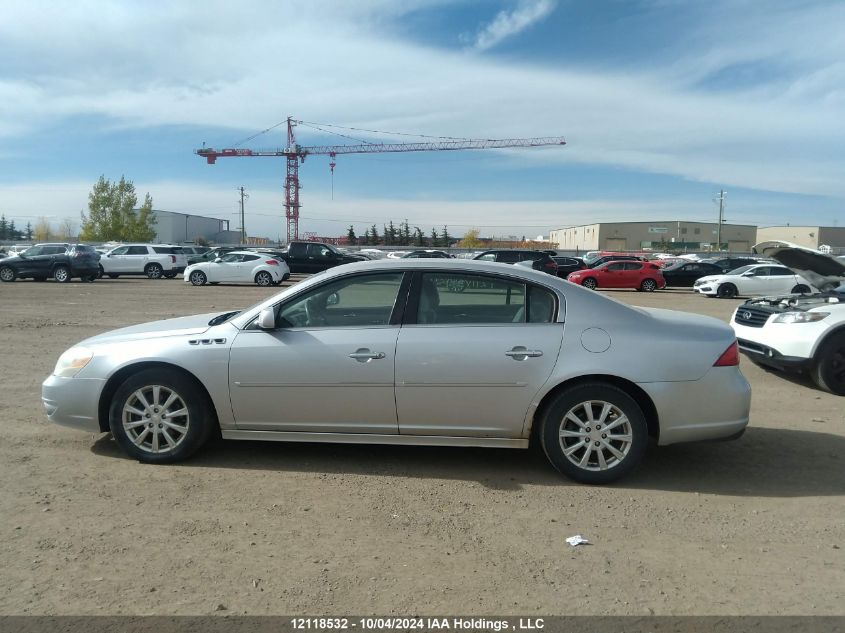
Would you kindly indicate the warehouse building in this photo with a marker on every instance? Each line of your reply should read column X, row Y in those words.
column 180, row 228
column 635, row 236
column 810, row 236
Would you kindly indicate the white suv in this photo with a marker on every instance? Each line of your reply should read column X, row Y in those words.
column 794, row 332
column 153, row 260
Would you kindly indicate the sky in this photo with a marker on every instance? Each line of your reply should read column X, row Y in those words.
column 663, row 103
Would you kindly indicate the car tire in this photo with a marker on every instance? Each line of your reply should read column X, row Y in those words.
column 648, row 285
column 263, row 278
column 197, row 278
column 801, row 289
column 89, row 278
column 101, row 272
column 136, row 426
column 726, row 291
column 590, row 283
column 566, row 441
column 61, row 274
column 153, row 271
column 829, row 367
column 7, row 273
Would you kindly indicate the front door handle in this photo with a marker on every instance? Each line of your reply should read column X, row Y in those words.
column 364, row 355
column 521, row 353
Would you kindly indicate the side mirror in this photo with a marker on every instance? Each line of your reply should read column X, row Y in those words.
column 267, row 319
column 218, row 260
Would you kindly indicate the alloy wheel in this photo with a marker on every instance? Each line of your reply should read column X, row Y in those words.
column 7, row 274
column 155, row 419
column 263, row 279
column 595, row 435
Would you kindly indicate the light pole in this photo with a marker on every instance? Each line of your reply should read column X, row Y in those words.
column 722, row 195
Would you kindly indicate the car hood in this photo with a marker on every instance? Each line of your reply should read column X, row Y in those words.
column 823, row 271
column 189, row 325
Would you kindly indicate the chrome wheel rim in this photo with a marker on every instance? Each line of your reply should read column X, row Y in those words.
column 155, row 419
column 154, row 272
column 6, row 274
column 595, row 435
column 197, row 278
column 263, row 279
column 60, row 274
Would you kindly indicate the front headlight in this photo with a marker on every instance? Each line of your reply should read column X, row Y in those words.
column 799, row 317
column 72, row 361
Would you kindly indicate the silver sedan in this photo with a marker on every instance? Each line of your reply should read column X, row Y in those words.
column 428, row 352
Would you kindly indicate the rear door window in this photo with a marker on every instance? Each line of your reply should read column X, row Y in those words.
column 457, row 298
column 507, row 257
column 137, row 250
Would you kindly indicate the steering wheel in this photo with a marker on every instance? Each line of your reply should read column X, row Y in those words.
column 313, row 315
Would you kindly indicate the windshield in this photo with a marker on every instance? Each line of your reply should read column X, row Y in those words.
column 740, row 270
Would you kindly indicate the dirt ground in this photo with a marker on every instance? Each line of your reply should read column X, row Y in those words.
column 753, row 526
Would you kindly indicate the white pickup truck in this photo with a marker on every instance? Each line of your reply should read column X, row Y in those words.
column 804, row 333
column 153, row 260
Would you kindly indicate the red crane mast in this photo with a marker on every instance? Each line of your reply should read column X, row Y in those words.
column 295, row 154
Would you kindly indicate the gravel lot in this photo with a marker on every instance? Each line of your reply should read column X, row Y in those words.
column 753, row 526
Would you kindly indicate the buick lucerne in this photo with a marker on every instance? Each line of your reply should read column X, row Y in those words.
column 394, row 353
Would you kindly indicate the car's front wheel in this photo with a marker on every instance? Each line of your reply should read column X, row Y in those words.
column 590, row 283
column 154, row 271
column 594, row 433
column 263, row 278
column 7, row 273
column 726, row 291
column 197, row 278
column 829, row 368
column 160, row 416
column 61, row 274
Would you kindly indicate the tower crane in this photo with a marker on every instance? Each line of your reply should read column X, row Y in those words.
column 295, row 154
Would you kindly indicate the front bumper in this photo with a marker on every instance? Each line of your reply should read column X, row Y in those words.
column 706, row 289
column 73, row 401
column 769, row 356
column 714, row 407
column 780, row 345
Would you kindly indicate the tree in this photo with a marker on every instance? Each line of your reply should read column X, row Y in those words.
column 366, row 237
column 390, row 234
column 351, row 237
column 435, row 240
column 374, row 235
column 27, row 234
column 419, row 238
column 199, row 240
column 470, row 239
column 112, row 215
column 42, row 231
column 445, row 238
column 12, row 232
column 67, row 229
column 406, row 232
column 4, row 228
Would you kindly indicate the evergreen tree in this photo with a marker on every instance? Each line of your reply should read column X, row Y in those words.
column 367, row 236
column 390, row 236
column 12, row 233
column 419, row 238
column 4, row 228
column 374, row 235
column 27, row 235
column 435, row 239
column 445, row 238
column 351, row 238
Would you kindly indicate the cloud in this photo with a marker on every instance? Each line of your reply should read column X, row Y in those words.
column 509, row 23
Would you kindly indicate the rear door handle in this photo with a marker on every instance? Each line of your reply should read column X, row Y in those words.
column 364, row 355
column 521, row 353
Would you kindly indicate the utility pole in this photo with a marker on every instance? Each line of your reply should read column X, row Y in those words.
column 721, row 200
column 243, row 226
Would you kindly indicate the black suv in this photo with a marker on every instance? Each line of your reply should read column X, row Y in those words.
column 728, row 264
column 540, row 260
column 62, row 262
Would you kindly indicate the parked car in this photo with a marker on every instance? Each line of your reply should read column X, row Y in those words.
column 728, row 264
column 801, row 333
column 153, row 260
column 756, row 279
column 60, row 261
column 538, row 260
column 685, row 273
column 598, row 261
column 211, row 254
column 427, row 254
column 622, row 274
column 239, row 266
column 315, row 257
column 191, row 251
column 591, row 393
column 566, row 265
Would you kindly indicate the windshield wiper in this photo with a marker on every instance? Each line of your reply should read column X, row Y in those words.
column 220, row 318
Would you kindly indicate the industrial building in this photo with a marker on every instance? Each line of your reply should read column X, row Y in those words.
column 180, row 228
column 809, row 236
column 673, row 234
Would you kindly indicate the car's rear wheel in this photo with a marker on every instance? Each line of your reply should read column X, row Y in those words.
column 154, row 271
column 7, row 273
column 590, row 283
column 197, row 278
column 61, row 274
column 100, row 272
column 648, row 285
column 160, row 416
column 594, row 433
column 801, row 289
column 263, row 278
column 829, row 368
column 726, row 291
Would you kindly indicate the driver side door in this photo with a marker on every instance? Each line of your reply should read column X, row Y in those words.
column 328, row 366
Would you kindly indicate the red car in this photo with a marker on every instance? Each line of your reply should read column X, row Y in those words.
column 644, row 276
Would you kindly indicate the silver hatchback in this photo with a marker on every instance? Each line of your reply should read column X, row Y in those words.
column 428, row 352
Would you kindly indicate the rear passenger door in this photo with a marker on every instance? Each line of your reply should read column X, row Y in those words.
column 135, row 259
column 472, row 353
